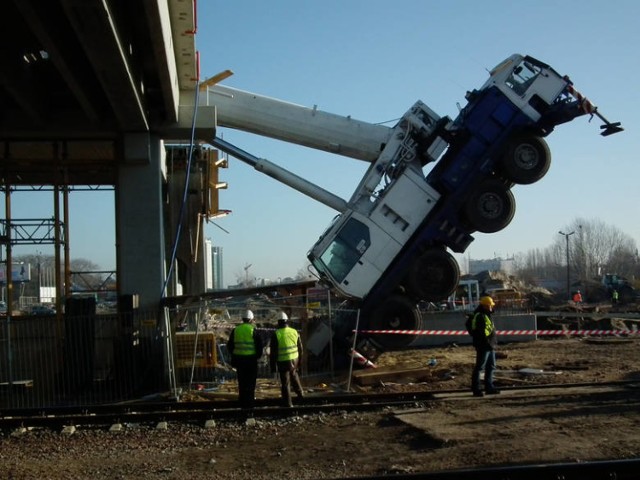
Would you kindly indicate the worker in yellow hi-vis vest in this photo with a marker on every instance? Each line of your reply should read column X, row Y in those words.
column 483, row 333
column 245, row 346
column 286, row 353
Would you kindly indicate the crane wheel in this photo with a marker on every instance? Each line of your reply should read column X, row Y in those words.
column 396, row 312
column 526, row 159
column 433, row 276
column 491, row 207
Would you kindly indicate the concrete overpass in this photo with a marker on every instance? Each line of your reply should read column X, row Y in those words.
column 89, row 90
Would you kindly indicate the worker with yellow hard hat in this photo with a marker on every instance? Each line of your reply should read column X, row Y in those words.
column 485, row 342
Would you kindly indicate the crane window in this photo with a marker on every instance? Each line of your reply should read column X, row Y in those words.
column 344, row 252
column 522, row 77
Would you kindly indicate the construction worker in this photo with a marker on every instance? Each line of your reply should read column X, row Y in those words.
column 286, row 353
column 614, row 297
column 485, row 342
column 577, row 297
column 245, row 347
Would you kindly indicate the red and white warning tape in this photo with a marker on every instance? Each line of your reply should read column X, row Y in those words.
column 502, row 332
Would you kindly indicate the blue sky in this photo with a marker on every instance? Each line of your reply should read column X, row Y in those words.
column 372, row 60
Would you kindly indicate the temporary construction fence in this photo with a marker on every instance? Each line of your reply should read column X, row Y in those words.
column 202, row 332
column 77, row 360
column 84, row 358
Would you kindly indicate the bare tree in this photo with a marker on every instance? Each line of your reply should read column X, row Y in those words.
column 595, row 248
column 539, row 263
column 86, row 275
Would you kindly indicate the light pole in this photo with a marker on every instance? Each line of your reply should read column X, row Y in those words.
column 38, row 254
column 566, row 236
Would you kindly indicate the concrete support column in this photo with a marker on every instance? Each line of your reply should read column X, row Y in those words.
column 140, row 239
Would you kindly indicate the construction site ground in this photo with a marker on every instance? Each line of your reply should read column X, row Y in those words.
column 454, row 431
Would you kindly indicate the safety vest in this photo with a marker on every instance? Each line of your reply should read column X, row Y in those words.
column 243, row 344
column 287, row 344
column 488, row 324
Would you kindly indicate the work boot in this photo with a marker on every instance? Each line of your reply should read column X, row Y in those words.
column 478, row 393
column 493, row 391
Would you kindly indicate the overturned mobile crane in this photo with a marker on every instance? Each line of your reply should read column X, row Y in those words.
column 431, row 184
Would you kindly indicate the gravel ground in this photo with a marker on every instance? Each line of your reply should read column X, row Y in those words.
column 509, row 430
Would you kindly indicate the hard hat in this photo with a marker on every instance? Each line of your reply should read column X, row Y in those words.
column 282, row 317
column 248, row 315
column 487, row 301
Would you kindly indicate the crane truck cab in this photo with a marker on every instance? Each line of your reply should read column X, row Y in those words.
column 432, row 182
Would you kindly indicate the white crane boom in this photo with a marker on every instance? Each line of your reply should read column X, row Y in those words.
column 297, row 124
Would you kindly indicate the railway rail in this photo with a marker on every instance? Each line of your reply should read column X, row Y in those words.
column 202, row 411
column 601, row 470
column 100, row 417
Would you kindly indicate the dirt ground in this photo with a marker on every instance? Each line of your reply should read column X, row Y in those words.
column 454, row 431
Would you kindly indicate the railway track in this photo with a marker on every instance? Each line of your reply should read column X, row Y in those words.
column 202, row 411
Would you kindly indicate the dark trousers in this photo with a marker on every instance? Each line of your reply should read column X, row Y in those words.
column 485, row 360
column 247, row 372
column 289, row 378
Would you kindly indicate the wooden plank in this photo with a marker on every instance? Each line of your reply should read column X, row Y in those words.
column 376, row 375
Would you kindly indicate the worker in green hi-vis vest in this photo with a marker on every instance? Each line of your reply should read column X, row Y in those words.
column 286, row 353
column 245, row 346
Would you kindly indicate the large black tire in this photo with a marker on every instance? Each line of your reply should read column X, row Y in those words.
column 526, row 159
column 491, row 207
column 397, row 312
column 433, row 276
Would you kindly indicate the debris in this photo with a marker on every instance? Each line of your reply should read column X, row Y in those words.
column 391, row 374
column 536, row 371
column 531, row 371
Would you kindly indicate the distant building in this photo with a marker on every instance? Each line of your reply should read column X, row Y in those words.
column 494, row 265
column 213, row 266
column 218, row 280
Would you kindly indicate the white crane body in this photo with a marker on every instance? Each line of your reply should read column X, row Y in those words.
column 431, row 184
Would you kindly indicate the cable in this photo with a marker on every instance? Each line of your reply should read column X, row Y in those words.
column 184, row 195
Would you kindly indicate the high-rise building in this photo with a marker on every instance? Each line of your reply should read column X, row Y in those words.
column 213, row 266
column 208, row 265
column 216, row 263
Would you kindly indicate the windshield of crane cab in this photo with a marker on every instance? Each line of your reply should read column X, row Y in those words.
column 522, row 77
column 345, row 250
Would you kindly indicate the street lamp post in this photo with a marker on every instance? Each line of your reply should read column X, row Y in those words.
column 566, row 236
column 38, row 254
